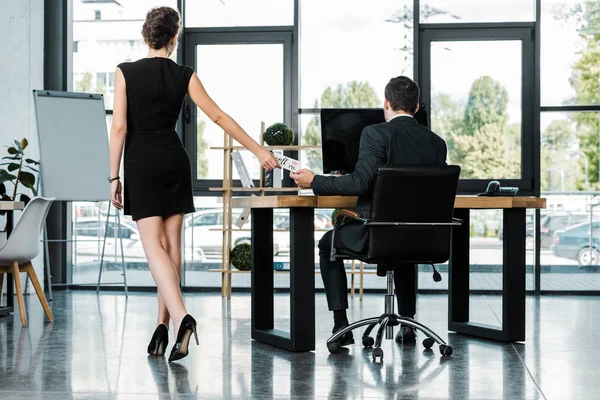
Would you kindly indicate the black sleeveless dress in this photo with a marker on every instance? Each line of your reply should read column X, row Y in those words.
column 158, row 172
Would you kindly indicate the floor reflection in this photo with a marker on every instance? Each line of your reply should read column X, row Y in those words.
column 96, row 348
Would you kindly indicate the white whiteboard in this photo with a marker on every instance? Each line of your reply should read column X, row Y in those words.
column 74, row 156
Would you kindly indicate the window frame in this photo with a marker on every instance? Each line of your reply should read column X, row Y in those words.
column 194, row 37
column 490, row 32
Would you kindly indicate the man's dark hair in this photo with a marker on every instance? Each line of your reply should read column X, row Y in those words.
column 403, row 94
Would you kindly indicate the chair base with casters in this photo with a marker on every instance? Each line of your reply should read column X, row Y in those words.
column 386, row 322
column 410, row 221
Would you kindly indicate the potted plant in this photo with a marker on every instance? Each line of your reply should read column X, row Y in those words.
column 19, row 171
column 240, row 257
column 279, row 134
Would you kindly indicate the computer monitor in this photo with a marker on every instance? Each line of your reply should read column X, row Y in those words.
column 340, row 136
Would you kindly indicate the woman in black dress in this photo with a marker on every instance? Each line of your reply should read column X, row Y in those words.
column 148, row 97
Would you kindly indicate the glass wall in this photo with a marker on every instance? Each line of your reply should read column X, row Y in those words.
column 349, row 49
column 569, row 249
column 463, row 11
column 234, row 13
column 570, row 144
column 104, row 35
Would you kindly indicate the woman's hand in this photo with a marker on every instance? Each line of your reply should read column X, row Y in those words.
column 116, row 195
column 267, row 159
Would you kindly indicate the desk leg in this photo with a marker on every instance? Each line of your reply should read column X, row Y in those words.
column 458, row 270
column 514, row 274
column 302, row 278
column 513, row 280
column 9, row 278
column 262, row 269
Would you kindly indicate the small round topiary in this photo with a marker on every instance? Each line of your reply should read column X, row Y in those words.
column 279, row 134
column 240, row 257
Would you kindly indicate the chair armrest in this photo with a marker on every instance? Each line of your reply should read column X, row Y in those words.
column 348, row 213
column 343, row 214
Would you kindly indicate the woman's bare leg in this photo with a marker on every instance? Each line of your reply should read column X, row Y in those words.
column 173, row 225
column 154, row 240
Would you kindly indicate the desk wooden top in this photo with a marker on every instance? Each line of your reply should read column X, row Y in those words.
column 471, row 202
column 11, row 205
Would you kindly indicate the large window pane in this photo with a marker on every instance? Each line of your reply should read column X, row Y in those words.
column 104, row 35
column 351, row 48
column 225, row 13
column 476, row 105
column 245, row 80
column 569, row 166
column 457, row 11
column 570, row 52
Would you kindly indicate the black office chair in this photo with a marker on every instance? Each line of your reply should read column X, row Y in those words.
column 411, row 221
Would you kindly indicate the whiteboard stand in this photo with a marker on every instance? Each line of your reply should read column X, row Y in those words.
column 74, row 124
column 118, row 221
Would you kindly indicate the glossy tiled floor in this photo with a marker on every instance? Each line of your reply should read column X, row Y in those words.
column 95, row 349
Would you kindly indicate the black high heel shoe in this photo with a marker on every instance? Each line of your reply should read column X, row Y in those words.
column 160, row 340
column 180, row 349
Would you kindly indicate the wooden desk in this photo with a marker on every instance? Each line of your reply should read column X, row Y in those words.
column 302, row 278
column 10, row 207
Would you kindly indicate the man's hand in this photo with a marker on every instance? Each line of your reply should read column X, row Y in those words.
column 303, row 178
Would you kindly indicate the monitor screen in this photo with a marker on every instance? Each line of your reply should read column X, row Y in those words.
column 340, row 136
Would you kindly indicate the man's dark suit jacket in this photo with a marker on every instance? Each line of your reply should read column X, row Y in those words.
column 399, row 141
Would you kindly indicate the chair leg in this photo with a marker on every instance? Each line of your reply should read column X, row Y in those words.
column 38, row 289
column 17, row 279
column 380, row 331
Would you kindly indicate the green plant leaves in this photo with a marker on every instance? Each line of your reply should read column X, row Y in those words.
column 18, row 144
column 2, row 189
column 5, row 176
column 279, row 134
column 13, row 167
column 240, row 257
column 27, row 179
column 12, row 150
column 11, row 158
column 30, row 161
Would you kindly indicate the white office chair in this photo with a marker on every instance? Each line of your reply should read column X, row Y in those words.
column 22, row 246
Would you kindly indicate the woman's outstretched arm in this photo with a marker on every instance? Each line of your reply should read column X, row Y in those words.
column 211, row 109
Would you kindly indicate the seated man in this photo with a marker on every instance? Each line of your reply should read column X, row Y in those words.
column 400, row 140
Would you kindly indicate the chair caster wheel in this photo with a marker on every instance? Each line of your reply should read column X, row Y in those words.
column 445, row 350
column 428, row 343
column 333, row 347
column 368, row 341
column 377, row 355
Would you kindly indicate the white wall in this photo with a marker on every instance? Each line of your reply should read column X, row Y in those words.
column 21, row 71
